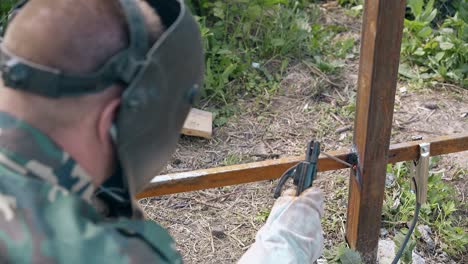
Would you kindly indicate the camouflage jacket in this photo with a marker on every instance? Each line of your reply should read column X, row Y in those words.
column 46, row 214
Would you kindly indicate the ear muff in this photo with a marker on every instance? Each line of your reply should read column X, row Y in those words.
column 11, row 14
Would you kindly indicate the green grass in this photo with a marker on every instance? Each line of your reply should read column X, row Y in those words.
column 435, row 41
column 435, row 51
column 440, row 212
column 250, row 44
column 262, row 215
column 5, row 6
column 444, row 213
column 232, row 159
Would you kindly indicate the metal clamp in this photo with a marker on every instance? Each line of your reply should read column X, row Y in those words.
column 351, row 162
column 420, row 172
column 304, row 173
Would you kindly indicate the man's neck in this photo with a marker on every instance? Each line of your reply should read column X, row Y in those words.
column 80, row 140
column 87, row 151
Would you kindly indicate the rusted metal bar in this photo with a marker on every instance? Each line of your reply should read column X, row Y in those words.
column 272, row 169
column 378, row 72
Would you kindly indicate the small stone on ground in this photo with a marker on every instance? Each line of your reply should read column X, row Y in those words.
column 386, row 253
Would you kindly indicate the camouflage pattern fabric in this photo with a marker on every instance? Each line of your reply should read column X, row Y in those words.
column 46, row 215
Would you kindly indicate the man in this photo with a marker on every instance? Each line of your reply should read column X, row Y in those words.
column 93, row 95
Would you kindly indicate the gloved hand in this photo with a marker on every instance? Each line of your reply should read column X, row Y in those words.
column 292, row 233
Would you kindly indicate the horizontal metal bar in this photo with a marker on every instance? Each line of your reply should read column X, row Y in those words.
column 272, row 169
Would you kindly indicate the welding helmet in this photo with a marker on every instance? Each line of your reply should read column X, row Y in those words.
column 161, row 83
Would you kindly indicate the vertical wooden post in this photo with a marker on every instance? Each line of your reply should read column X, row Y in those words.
column 378, row 71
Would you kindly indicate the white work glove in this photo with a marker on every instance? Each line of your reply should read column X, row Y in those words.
column 292, row 233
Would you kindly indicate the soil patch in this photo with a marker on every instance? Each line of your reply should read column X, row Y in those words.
column 218, row 225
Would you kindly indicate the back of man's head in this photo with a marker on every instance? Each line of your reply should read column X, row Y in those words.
column 74, row 36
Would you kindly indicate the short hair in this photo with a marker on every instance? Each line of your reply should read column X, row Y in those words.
column 74, row 36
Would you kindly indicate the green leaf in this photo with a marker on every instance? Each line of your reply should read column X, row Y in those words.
column 406, row 257
column 254, row 11
column 446, row 31
column 357, row 8
column 407, row 71
column 416, row 6
column 224, row 52
column 430, row 5
column 446, row 45
column 273, row 2
column 220, row 121
column 431, row 45
column 439, row 55
column 425, row 32
column 227, row 72
column 349, row 256
column 431, row 16
column 284, row 65
column 463, row 9
column 277, row 42
column 218, row 10
column 426, row 76
column 429, row 12
column 419, row 52
column 449, row 207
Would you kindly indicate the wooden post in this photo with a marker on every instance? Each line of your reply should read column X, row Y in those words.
column 382, row 30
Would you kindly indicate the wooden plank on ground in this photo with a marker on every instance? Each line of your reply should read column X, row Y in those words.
column 382, row 30
column 272, row 169
column 198, row 123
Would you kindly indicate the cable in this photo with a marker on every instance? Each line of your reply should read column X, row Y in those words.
column 112, row 192
column 410, row 231
column 282, row 180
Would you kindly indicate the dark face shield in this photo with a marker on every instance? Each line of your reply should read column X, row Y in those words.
column 161, row 83
column 158, row 100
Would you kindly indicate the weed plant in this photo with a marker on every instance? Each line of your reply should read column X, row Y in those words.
column 439, row 212
column 250, row 44
column 435, row 41
column 5, row 6
column 435, row 48
column 444, row 213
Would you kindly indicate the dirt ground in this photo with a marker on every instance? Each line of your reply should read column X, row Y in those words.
column 219, row 225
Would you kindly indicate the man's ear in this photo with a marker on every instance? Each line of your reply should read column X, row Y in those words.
column 107, row 118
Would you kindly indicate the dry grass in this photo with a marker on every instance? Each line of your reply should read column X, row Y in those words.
column 218, row 225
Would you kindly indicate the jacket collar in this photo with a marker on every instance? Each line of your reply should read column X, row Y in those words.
column 29, row 152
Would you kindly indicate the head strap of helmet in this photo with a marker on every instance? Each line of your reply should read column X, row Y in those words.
column 19, row 73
